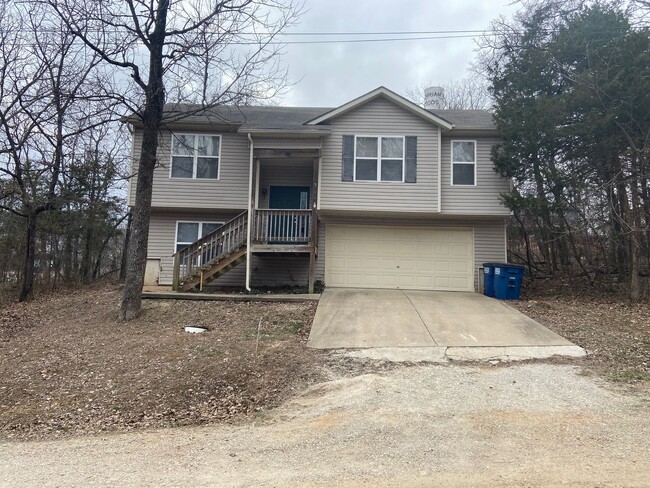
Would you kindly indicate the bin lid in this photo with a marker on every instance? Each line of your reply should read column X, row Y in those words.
column 508, row 265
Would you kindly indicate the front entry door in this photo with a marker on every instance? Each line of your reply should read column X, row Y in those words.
column 285, row 229
column 289, row 197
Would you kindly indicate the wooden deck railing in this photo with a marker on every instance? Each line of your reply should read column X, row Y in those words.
column 272, row 226
column 211, row 247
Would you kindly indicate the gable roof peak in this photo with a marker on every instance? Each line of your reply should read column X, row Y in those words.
column 382, row 91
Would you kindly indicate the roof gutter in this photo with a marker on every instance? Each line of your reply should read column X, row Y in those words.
column 306, row 132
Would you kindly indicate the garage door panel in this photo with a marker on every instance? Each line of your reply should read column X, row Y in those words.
column 372, row 247
column 460, row 267
column 407, row 265
column 399, row 257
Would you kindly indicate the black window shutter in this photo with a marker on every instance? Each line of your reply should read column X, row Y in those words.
column 347, row 168
column 411, row 159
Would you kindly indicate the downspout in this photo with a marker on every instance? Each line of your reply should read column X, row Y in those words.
column 320, row 163
column 439, row 170
column 249, row 225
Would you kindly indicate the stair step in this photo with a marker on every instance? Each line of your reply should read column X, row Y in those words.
column 195, row 280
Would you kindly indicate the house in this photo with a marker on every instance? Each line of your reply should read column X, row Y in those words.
column 376, row 193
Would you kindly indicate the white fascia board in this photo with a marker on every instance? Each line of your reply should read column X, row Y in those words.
column 383, row 91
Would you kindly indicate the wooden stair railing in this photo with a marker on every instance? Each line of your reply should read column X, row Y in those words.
column 211, row 255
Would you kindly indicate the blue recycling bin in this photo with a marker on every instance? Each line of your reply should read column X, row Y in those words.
column 488, row 279
column 507, row 281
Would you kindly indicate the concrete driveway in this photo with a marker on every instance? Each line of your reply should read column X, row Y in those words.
column 362, row 318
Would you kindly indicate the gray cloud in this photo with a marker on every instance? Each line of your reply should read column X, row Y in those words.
column 331, row 74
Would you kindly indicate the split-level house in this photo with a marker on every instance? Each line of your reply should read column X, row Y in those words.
column 377, row 193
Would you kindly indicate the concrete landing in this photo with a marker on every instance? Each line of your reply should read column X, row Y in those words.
column 454, row 321
column 227, row 297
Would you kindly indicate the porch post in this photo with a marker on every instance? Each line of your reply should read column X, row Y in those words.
column 249, row 222
column 314, row 226
column 256, row 192
column 177, row 273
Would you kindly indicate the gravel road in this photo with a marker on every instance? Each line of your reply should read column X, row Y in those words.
column 429, row 425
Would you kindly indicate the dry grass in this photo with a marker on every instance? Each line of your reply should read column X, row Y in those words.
column 614, row 331
column 67, row 367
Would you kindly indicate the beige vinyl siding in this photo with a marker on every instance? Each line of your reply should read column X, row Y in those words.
column 266, row 270
column 286, row 142
column 482, row 199
column 381, row 118
column 283, row 174
column 228, row 192
column 489, row 245
column 319, row 269
column 162, row 237
column 489, row 235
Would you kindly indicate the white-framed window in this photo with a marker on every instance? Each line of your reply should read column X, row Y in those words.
column 463, row 163
column 195, row 156
column 379, row 158
column 189, row 232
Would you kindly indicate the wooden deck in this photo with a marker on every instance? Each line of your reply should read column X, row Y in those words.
column 273, row 231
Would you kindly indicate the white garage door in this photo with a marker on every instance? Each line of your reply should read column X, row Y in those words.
column 399, row 258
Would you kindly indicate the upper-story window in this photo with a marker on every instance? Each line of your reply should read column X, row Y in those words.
column 195, row 156
column 463, row 163
column 379, row 158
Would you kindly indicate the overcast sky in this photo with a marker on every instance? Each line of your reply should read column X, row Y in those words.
column 331, row 74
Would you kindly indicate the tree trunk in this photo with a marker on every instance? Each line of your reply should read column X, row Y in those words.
column 28, row 265
column 100, row 254
column 635, row 244
column 529, row 259
column 67, row 259
column 141, row 212
column 127, row 238
column 85, row 258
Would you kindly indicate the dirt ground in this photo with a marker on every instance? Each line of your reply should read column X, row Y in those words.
column 67, row 367
column 527, row 425
column 615, row 332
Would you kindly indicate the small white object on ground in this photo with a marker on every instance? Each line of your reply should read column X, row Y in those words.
column 194, row 329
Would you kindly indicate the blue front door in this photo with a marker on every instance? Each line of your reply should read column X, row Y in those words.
column 289, row 197
column 285, row 229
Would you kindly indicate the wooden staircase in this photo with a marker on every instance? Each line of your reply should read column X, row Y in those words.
column 211, row 256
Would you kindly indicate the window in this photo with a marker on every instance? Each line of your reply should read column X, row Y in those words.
column 189, row 232
column 463, row 163
column 195, row 156
column 379, row 158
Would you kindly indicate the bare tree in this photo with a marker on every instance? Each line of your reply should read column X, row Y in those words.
column 469, row 93
column 46, row 105
column 212, row 52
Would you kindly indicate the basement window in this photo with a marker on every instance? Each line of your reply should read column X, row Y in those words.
column 189, row 232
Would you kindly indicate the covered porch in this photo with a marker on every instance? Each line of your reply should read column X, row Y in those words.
column 283, row 200
column 281, row 221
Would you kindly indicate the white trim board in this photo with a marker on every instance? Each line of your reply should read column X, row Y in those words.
column 390, row 95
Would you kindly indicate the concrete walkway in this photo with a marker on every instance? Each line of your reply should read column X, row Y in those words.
column 362, row 318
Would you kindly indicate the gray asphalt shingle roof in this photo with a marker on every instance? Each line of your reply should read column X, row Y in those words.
column 294, row 118
column 467, row 119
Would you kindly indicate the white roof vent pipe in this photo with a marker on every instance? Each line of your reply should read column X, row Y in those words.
column 434, row 97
